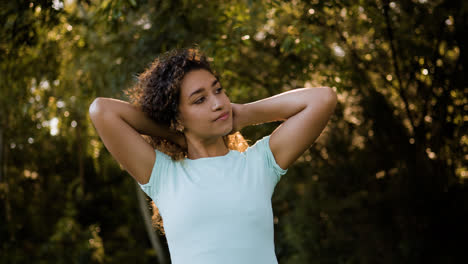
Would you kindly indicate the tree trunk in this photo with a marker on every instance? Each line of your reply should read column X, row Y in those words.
column 154, row 239
column 3, row 169
column 81, row 145
column 1, row 154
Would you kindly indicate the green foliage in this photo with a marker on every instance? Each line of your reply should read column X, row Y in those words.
column 385, row 183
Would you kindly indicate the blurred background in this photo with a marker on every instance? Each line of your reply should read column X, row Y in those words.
column 384, row 183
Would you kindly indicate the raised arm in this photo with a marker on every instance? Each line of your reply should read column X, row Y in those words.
column 306, row 112
column 120, row 125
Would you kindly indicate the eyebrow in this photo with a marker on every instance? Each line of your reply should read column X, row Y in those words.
column 199, row 90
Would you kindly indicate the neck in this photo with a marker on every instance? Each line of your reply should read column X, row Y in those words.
column 204, row 148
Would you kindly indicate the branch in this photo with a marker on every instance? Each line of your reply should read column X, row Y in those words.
column 395, row 62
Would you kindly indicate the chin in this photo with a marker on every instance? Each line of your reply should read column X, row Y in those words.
column 226, row 132
column 229, row 130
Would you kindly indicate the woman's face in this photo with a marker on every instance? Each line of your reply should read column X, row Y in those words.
column 202, row 101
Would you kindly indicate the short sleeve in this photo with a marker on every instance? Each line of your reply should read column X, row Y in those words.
column 160, row 169
column 262, row 148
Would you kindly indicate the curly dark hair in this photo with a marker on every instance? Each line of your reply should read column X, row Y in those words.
column 157, row 93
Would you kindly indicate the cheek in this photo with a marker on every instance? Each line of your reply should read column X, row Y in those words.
column 227, row 99
column 196, row 117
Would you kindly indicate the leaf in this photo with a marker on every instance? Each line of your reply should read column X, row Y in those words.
column 287, row 44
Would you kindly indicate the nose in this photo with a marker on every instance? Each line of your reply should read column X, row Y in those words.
column 217, row 104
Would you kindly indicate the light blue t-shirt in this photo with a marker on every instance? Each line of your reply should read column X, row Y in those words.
column 218, row 209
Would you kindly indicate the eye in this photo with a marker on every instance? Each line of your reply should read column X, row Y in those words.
column 219, row 90
column 199, row 101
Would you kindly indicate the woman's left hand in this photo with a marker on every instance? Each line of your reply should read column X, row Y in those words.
column 237, row 117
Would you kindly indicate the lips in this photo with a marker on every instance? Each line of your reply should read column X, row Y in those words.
column 222, row 115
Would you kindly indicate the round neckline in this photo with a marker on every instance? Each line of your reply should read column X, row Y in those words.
column 209, row 158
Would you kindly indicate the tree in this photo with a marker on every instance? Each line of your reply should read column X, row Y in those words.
column 384, row 183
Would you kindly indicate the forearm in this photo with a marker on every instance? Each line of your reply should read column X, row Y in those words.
column 282, row 106
column 133, row 116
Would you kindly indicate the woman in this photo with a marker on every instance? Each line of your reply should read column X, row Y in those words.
column 212, row 189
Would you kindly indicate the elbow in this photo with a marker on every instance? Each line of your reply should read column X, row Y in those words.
column 324, row 94
column 332, row 97
column 332, row 100
column 95, row 107
column 330, row 94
